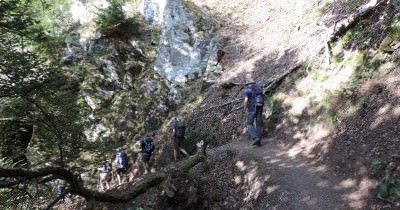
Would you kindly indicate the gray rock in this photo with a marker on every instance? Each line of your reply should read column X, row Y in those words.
column 186, row 42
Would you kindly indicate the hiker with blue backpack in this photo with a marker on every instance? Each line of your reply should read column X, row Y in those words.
column 147, row 147
column 121, row 161
column 60, row 188
column 178, row 136
column 253, row 104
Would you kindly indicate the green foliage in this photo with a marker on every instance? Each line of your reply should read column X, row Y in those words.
column 330, row 117
column 391, row 189
column 33, row 87
column 394, row 32
column 110, row 16
column 347, row 36
column 155, row 34
column 378, row 165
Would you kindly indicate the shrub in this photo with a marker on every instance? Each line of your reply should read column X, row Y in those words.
column 110, row 16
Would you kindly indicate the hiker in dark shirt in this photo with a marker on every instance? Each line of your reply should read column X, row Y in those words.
column 147, row 147
column 178, row 136
column 253, row 104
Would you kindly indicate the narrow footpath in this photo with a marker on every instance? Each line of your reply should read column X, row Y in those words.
column 270, row 177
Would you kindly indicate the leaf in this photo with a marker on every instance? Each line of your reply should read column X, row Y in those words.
column 383, row 191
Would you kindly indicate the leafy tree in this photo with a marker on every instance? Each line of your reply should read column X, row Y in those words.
column 35, row 92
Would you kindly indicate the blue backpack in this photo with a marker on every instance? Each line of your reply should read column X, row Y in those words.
column 122, row 160
column 258, row 96
column 148, row 145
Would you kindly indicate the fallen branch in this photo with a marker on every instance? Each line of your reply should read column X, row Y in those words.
column 273, row 82
column 230, row 84
column 76, row 185
column 343, row 25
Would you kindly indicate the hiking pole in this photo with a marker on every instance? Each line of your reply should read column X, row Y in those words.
column 98, row 183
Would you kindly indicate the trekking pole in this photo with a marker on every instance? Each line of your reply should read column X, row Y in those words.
column 98, row 183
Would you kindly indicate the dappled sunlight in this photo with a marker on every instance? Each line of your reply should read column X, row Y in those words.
column 357, row 198
column 241, row 166
column 317, row 136
column 310, row 200
column 237, row 180
column 381, row 116
column 298, row 104
column 345, row 184
column 255, row 183
column 396, row 111
column 255, row 190
column 273, row 188
column 323, row 184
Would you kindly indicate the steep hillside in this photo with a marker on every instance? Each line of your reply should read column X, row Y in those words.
column 331, row 77
column 341, row 112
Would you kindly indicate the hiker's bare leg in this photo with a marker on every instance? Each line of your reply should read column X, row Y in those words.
column 176, row 155
column 119, row 178
column 184, row 152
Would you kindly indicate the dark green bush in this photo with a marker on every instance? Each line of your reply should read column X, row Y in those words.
column 111, row 16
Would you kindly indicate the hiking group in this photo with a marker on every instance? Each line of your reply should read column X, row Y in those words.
column 253, row 105
column 145, row 146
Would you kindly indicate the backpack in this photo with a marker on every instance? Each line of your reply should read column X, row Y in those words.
column 122, row 160
column 148, row 145
column 258, row 95
column 180, row 129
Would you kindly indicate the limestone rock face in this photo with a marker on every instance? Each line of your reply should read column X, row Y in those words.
column 186, row 44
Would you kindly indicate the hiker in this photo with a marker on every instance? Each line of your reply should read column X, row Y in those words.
column 147, row 147
column 121, row 161
column 254, row 103
column 105, row 175
column 60, row 188
column 178, row 136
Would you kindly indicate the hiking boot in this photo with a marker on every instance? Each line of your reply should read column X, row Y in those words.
column 258, row 144
column 257, row 141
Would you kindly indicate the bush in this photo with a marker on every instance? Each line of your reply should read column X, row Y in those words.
column 110, row 16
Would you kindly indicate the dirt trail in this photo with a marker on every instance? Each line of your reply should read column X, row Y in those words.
column 279, row 180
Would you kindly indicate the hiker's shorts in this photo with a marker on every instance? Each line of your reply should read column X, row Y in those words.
column 178, row 142
column 146, row 157
column 121, row 170
column 104, row 176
